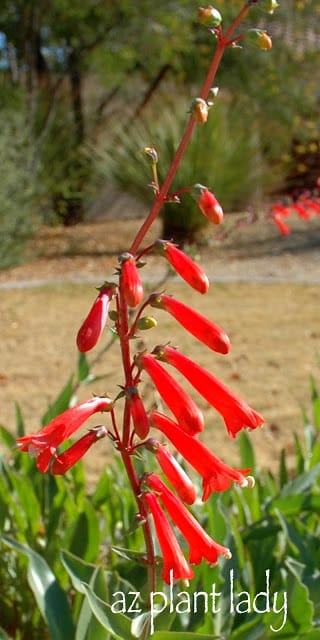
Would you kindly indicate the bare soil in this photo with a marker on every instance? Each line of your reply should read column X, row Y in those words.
column 264, row 292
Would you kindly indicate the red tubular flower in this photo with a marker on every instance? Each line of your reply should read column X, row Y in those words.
column 173, row 558
column 200, row 543
column 283, row 228
column 208, row 204
column 301, row 211
column 130, row 278
column 216, row 475
column 314, row 205
column 176, row 475
column 176, row 398
column 92, row 327
column 68, row 458
column 281, row 209
column 236, row 413
column 138, row 413
column 184, row 266
column 200, row 327
column 44, row 443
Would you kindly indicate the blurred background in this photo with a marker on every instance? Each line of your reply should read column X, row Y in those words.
column 84, row 86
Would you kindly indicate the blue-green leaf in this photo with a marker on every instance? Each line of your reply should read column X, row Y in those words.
column 181, row 635
column 117, row 624
column 50, row 597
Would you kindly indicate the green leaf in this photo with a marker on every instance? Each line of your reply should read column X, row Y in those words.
column 300, row 467
column 296, row 617
column 61, row 403
column 315, row 404
column 283, row 471
column 7, row 438
column 253, row 630
column 28, row 503
column 51, row 599
column 19, row 421
column 3, row 635
column 246, row 451
column 181, row 635
column 88, row 627
column 296, row 504
column 117, row 624
column 79, row 571
column 303, row 482
column 85, row 535
column 83, row 367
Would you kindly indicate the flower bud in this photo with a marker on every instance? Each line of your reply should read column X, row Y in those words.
column 146, row 322
column 258, row 39
column 209, row 16
column 199, row 110
column 208, row 204
column 131, row 282
column 268, row 6
column 93, row 325
column 184, row 265
column 138, row 413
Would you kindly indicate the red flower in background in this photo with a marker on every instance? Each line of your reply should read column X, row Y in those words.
column 200, row 543
column 216, row 475
column 43, row 444
column 282, row 226
column 199, row 326
column 173, row 558
column 176, row 398
column 184, row 266
column 92, row 327
column 236, row 413
column 131, row 281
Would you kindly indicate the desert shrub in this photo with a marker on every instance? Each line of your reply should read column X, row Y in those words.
column 235, row 171
column 17, row 207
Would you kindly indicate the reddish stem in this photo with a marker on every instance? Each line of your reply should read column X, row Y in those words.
column 223, row 42
column 123, row 317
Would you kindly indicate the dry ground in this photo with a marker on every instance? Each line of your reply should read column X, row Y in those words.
column 265, row 294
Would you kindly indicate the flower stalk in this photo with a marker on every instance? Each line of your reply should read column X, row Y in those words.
column 128, row 437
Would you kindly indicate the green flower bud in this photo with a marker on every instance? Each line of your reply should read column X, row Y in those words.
column 268, row 6
column 209, row 16
column 258, row 39
column 113, row 315
column 146, row 322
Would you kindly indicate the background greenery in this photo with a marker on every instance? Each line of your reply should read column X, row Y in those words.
column 69, row 72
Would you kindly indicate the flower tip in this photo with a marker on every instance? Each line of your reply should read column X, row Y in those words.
column 227, row 554
column 247, row 483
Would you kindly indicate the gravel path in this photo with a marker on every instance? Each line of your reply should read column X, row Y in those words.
column 87, row 254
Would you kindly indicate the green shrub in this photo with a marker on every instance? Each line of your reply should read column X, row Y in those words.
column 235, row 171
column 17, row 212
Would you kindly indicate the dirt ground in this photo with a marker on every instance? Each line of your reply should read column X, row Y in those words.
column 264, row 292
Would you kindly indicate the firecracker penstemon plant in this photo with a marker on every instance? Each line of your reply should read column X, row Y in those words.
column 156, row 502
